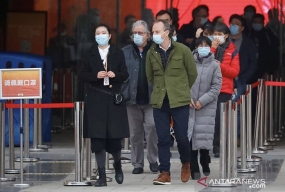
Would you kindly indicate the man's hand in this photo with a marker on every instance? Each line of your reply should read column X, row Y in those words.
column 192, row 104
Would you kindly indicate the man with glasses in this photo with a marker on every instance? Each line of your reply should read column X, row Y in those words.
column 137, row 91
column 171, row 69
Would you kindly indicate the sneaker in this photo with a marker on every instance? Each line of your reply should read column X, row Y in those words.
column 138, row 170
column 162, row 179
column 153, row 167
column 185, row 172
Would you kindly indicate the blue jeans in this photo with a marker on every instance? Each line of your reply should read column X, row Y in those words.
column 162, row 117
column 241, row 90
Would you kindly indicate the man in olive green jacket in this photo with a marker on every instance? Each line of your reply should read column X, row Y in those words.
column 171, row 69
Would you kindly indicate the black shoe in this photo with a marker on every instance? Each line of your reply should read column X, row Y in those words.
column 153, row 167
column 101, row 182
column 195, row 170
column 205, row 159
column 138, row 170
column 119, row 176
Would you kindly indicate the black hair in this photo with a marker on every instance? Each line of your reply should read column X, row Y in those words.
column 208, row 26
column 202, row 39
column 249, row 7
column 104, row 25
column 162, row 12
column 128, row 17
column 221, row 27
column 172, row 29
column 215, row 20
column 199, row 7
column 259, row 16
column 238, row 17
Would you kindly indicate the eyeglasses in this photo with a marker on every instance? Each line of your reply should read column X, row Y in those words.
column 139, row 33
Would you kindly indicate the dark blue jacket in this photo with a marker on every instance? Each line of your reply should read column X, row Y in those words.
column 248, row 59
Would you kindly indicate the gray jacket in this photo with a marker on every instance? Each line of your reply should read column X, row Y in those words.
column 129, row 87
column 206, row 90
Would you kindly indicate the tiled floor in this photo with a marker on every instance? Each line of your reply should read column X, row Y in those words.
column 57, row 166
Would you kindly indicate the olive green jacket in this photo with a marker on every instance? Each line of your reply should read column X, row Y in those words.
column 175, row 80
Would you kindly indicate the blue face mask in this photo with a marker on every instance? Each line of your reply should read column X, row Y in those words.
column 257, row 26
column 157, row 39
column 211, row 37
column 234, row 29
column 138, row 39
column 203, row 51
column 102, row 39
column 174, row 38
column 203, row 20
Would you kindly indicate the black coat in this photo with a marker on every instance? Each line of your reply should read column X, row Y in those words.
column 102, row 117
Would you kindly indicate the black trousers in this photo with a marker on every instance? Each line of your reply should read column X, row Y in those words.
column 222, row 98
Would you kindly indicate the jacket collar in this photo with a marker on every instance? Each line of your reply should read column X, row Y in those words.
column 95, row 51
column 204, row 60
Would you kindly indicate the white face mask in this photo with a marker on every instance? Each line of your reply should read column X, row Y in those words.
column 221, row 38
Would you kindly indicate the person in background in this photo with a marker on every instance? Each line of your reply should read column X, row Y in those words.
column 205, row 30
column 105, row 114
column 218, row 19
column 167, row 16
column 248, row 12
column 200, row 16
column 204, row 96
column 125, row 36
column 228, row 57
column 137, row 91
column 170, row 68
column 247, row 57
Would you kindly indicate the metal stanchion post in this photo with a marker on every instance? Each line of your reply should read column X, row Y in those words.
column 40, row 130
column 244, row 168
column 276, row 116
column 280, row 133
column 223, row 151
column 22, row 184
column 2, row 146
column 78, row 137
column 126, row 149
column 107, row 164
column 88, row 159
column 11, row 169
column 266, row 116
column 234, row 151
column 36, row 128
column 229, row 140
column 257, row 122
column 249, row 157
column 63, row 99
column 271, row 123
column 27, row 157
column 262, row 120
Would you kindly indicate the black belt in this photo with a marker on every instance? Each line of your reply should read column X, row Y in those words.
column 103, row 91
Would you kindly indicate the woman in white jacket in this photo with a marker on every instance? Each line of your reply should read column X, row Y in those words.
column 203, row 106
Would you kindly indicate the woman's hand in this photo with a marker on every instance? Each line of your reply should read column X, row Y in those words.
column 215, row 43
column 192, row 104
column 111, row 74
column 198, row 32
column 101, row 74
column 198, row 105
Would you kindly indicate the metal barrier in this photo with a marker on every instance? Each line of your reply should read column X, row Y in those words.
column 228, row 119
column 78, row 136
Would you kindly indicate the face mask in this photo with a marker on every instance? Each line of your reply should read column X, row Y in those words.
column 138, row 39
column 102, row 39
column 248, row 14
column 203, row 51
column 211, row 37
column 157, row 39
column 221, row 39
column 257, row 26
column 203, row 20
column 234, row 29
column 174, row 38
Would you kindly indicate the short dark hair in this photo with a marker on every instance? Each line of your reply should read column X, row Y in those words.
column 104, row 25
column 162, row 12
column 199, row 7
column 238, row 17
column 129, row 17
column 221, row 27
column 166, row 25
column 259, row 16
column 208, row 26
column 202, row 39
column 249, row 7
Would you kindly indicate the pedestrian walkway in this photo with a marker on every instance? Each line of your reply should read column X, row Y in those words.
column 57, row 166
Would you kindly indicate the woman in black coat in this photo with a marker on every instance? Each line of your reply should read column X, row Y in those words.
column 105, row 117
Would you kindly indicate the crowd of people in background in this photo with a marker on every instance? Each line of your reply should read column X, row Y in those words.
column 162, row 74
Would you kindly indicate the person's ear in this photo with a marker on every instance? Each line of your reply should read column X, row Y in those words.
column 110, row 36
column 241, row 28
column 226, row 36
